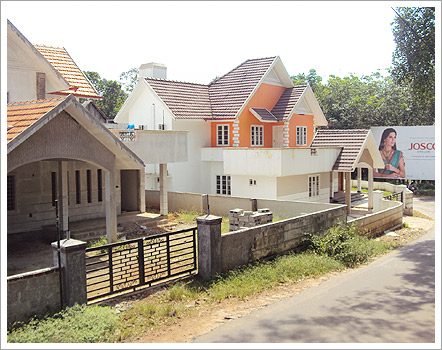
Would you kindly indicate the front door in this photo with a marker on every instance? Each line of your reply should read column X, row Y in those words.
column 277, row 136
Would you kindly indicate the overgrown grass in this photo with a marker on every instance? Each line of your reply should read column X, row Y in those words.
column 336, row 250
column 77, row 324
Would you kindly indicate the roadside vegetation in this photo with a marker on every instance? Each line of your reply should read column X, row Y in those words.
column 340, row 248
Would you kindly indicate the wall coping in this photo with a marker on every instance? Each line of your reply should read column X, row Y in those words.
column 33, row 273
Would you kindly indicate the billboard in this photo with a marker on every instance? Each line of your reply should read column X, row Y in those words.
column 408, row 152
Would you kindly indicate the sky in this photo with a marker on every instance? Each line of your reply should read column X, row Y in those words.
column 200, row 40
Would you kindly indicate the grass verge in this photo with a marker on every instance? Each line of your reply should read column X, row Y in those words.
column 338, row 249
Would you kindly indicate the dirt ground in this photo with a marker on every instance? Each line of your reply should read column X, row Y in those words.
column 204, row 318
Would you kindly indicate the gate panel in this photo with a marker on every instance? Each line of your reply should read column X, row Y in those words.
column 117, row 267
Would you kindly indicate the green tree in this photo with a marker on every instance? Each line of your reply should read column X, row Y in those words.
column 129, row 79
column 114, row 95
column 414, row 58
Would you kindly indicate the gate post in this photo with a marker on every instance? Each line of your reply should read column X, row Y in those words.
column 209, row 246
column 73, row 267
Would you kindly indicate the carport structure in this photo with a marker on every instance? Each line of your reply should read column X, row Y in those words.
column 358, row 150
column 59, row 153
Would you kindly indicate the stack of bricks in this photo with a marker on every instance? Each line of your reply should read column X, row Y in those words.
column 239, row 218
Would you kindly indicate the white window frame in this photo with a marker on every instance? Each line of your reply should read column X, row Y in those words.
column 257, row 135
column 223, row 185
column 301, row 136
column 313, row 185
column 225, row 139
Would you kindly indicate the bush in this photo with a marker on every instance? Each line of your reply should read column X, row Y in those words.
column 77, row 324
column 341, row 243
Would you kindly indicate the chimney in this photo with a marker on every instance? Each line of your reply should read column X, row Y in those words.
column 153, row 70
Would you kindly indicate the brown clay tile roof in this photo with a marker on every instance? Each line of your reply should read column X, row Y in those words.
column 351, row 141
column 229, row 92
column 185, row 100
column 287, row 101
column 65, row 65
column 265, row 114
column 221, row 99
column 21, row 115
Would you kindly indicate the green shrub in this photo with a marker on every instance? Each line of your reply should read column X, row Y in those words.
column 341, row 243
column 77, row 324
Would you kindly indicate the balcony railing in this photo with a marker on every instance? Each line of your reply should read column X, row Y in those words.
column 127, row 135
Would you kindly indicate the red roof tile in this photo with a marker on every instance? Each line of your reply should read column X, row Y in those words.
column 351, row 142
column 287, row 101
column 65, row 65
column 21, row 115
column 221, row 99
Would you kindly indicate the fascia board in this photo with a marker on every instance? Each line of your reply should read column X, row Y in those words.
column 42, row 62
column 312, row 102
column 129, row 101
column 100, row 132
column 255, row 89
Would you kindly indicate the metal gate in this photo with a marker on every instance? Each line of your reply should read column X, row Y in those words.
column 117, row 267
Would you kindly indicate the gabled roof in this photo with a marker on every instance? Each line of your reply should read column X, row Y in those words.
column 60, row 59
column 227, row 96
column 185, row 100
column 353, row 143
column 21, row 115
column 229, row 92
column 287, row 101
column 26, row 118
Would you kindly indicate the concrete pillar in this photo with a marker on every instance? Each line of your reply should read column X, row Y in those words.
column 73, row 267
column 111, row 205
column 359, row 173
column 370, row 189
column 63, row 206
column 209, row 246
column 377, row 198
column 142, row 191
column 407, row 199
column 331, row 186
column 164, row 207
column 348, row 191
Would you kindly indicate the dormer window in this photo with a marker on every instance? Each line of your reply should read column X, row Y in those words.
column 222, row 135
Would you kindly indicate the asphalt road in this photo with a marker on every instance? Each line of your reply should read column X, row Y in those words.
column 391, row 300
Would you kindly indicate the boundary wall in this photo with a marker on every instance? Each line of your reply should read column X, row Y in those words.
column 33, row 293
column 221, row 205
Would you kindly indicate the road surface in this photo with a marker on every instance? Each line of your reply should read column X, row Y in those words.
column 389, row 301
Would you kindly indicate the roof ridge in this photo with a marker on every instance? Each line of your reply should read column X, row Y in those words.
column 247, row 60
column 176, row 81
column 31, row 102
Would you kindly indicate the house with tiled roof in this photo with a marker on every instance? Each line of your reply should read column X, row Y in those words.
column 250, row 132
column 42, row 72
column 63, row 161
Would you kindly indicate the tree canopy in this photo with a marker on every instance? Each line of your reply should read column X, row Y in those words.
column 111, row 90
column 414, row 56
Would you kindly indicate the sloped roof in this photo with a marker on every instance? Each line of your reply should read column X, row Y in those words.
column 221, row 99
column 185, row 100
column 21, row 115
column 351, row 141
column 287, row 101
column 229, row 92
column 60, row 59
column 264, row 115
column 26, row 118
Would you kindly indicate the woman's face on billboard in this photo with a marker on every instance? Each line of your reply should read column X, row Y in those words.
column 390, row 140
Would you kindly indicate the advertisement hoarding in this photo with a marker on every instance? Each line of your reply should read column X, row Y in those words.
column 408, row 152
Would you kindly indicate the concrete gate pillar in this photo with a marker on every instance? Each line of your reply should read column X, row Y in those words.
column 209, row 246
column 111, row 205
column 164, row 207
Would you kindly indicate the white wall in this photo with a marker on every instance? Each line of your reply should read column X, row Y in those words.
column 265, row 186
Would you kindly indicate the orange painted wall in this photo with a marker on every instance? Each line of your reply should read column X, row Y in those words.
column 300, row 120
column 265, row 97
